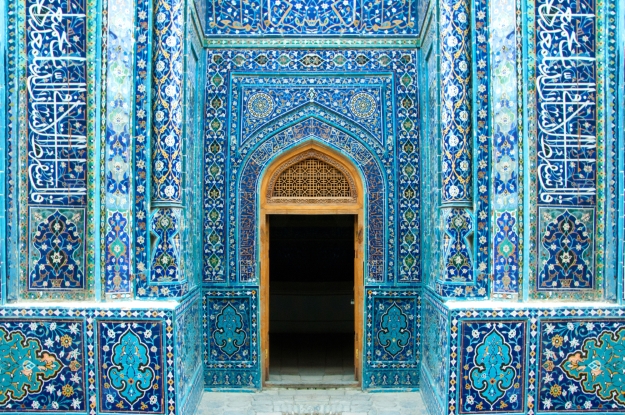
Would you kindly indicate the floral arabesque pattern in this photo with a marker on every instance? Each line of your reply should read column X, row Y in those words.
column 581, row 365
column 43, row 366
column 310, row 18
column 132, row 350
column 492, row 357
column 57, row 250
column 566, row 250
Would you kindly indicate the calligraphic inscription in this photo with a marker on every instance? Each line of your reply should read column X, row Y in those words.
column 566, row 99
column 57, row 100
column 312, row 18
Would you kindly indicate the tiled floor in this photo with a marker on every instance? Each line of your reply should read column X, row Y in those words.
column 309, row 359
column 280, row 401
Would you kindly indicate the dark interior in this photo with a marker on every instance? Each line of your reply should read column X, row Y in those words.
column 311, row 286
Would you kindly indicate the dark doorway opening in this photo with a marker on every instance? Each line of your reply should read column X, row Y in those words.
column 311, row 293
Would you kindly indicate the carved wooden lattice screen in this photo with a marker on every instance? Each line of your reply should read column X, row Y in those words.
column 311, row 177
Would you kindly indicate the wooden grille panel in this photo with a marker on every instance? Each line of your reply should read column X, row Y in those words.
column 311, row 177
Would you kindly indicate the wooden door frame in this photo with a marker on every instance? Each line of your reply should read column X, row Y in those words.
column 356, row 209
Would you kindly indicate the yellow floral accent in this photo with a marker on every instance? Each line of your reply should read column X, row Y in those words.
column 68, row 390
column 66, row 341
column 555, row 391
column 557, row 341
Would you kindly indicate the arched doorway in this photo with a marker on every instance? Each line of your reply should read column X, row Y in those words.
column 312, row 181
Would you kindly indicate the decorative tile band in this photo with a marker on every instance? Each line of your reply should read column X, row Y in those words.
column 314, row 18
column 457, row 138
column 118, row 168
column 505, row 144
column 167, row 120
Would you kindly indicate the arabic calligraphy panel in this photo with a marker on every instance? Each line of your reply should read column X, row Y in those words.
column 57, row 101
column 566, row 97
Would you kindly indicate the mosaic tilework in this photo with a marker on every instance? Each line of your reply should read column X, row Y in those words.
column 166, row 266
column 188, row 343
column 430, row 144
column 505, row 169
column 581, row 365
column 456, row 151
column 57, row 257
column 392, row 351
column 458, row 250
column 566, row 250
column 226, row 89
column 69, row 360
column 118, row 129
column 192, row 217
column 312, row 129
column 505, row 260
column 454, row 87
column 493, row 355
column 155, row 278
column 57, row 123
column 435, row 342
column 167, row 101
column 230, row 336
column 559, row 179
column 12, row 109
column 313, row 18
column 132, row 370
column 43, row 365
column 567, row 116
column 56, row 154
column 556, row 360
column 141, row 154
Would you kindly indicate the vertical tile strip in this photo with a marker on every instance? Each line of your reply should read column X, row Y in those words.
column 118, row 158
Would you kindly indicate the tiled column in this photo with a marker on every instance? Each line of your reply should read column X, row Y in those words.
column 167, row 120
column 456, row 99
column 461, row 213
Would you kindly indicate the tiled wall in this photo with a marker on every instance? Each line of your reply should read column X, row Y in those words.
column 530, row 359
column 504, row 186
column 98, row 360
